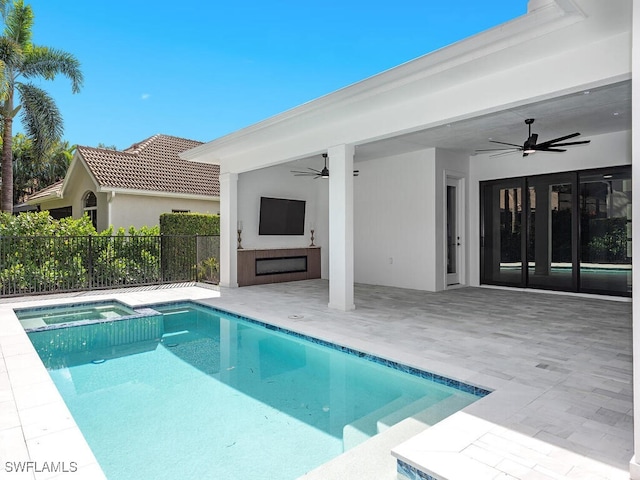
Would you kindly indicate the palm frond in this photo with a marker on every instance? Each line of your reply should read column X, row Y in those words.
column 10, row 53
column 19, row 23
column 5, row 83
column 41, row 118
column 5, row 6
column 48, row 62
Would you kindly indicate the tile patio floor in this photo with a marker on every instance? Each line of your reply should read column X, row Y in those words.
column 560, row 367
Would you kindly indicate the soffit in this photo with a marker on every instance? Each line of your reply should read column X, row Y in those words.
column 597, row 111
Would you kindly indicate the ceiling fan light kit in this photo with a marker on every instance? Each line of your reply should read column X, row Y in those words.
column 531, row 145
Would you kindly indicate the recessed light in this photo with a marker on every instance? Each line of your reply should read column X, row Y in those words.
column 586, row 92
column 615, row 114
column 607, row 176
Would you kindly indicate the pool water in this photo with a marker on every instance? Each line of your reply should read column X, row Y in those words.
column 41, row 316
column 201, row 394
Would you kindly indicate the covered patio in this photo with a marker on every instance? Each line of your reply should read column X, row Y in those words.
column 560, row 367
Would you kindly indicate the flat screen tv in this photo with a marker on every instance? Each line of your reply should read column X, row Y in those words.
column 280, row 216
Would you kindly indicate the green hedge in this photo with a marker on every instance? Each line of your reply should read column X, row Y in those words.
column 40, row 254
column 189, row 224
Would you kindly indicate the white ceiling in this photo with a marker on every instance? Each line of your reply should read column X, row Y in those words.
column 597, row 111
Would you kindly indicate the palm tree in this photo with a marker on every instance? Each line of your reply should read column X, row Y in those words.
column 31, row 173
column 20, row 62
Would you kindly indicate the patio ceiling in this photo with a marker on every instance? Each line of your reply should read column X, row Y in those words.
column 594, row 112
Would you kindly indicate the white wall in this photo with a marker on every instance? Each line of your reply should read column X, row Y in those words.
column 144, row 210
column 400, row 218
column 603, row 151
column 394, row 217
column 279, row 182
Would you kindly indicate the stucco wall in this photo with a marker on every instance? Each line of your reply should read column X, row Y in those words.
column 144, row 210
column 393, row 220
column 399, row 218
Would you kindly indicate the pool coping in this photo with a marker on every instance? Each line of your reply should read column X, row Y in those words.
column 467, row 387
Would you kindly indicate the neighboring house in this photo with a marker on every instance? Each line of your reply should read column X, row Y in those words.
column 132, row 187
column 428, row 210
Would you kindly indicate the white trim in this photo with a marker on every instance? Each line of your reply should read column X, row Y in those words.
column 461, row 222
column 150, row 193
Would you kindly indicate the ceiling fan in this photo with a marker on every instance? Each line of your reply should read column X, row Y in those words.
column 531, row 145
column 312, row 172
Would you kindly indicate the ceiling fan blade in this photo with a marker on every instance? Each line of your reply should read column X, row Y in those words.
column 505, row 143
column 509, row 152
column 559, row 139
column 570, row 143
column 495, row 149
column 548, row 149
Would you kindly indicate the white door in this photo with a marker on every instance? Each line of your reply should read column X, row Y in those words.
column 454, row 222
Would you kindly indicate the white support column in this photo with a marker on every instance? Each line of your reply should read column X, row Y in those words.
column 341, row 227
column 634, row 465
column 228, row 229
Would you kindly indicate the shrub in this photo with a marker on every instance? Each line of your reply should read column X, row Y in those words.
column 38, row 253
column 189, row 224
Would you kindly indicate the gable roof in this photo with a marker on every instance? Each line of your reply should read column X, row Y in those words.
column 152, row 165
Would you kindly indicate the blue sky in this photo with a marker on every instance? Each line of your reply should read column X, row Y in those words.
column 203, row 68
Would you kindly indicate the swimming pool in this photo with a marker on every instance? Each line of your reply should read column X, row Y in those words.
column 211, row 395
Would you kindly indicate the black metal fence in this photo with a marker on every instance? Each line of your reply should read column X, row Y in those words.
column 30, row 265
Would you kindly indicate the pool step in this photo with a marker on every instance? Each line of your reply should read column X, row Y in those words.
column 422, row 410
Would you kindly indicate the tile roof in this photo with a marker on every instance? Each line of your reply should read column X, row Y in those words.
column 153, row 165
column 52, row 190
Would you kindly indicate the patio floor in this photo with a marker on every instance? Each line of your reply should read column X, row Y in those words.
column 560, row 367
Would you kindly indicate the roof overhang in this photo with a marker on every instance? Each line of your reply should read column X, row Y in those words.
column 150, row 193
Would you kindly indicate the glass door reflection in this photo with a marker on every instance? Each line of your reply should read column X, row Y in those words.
column 605, row 231
column 550, row 232
column 502, row 233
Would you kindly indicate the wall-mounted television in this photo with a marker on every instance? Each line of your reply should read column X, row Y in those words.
column 281, row 216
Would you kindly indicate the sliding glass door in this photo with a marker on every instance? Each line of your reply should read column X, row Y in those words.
column 568, row 231
column 502, row 228
column 605, row 225
column 550, row 232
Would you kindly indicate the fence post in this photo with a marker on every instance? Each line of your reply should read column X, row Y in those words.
column 197, row 257
column 90, row 263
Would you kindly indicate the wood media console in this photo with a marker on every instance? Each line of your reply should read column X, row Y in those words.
column 275, row 265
